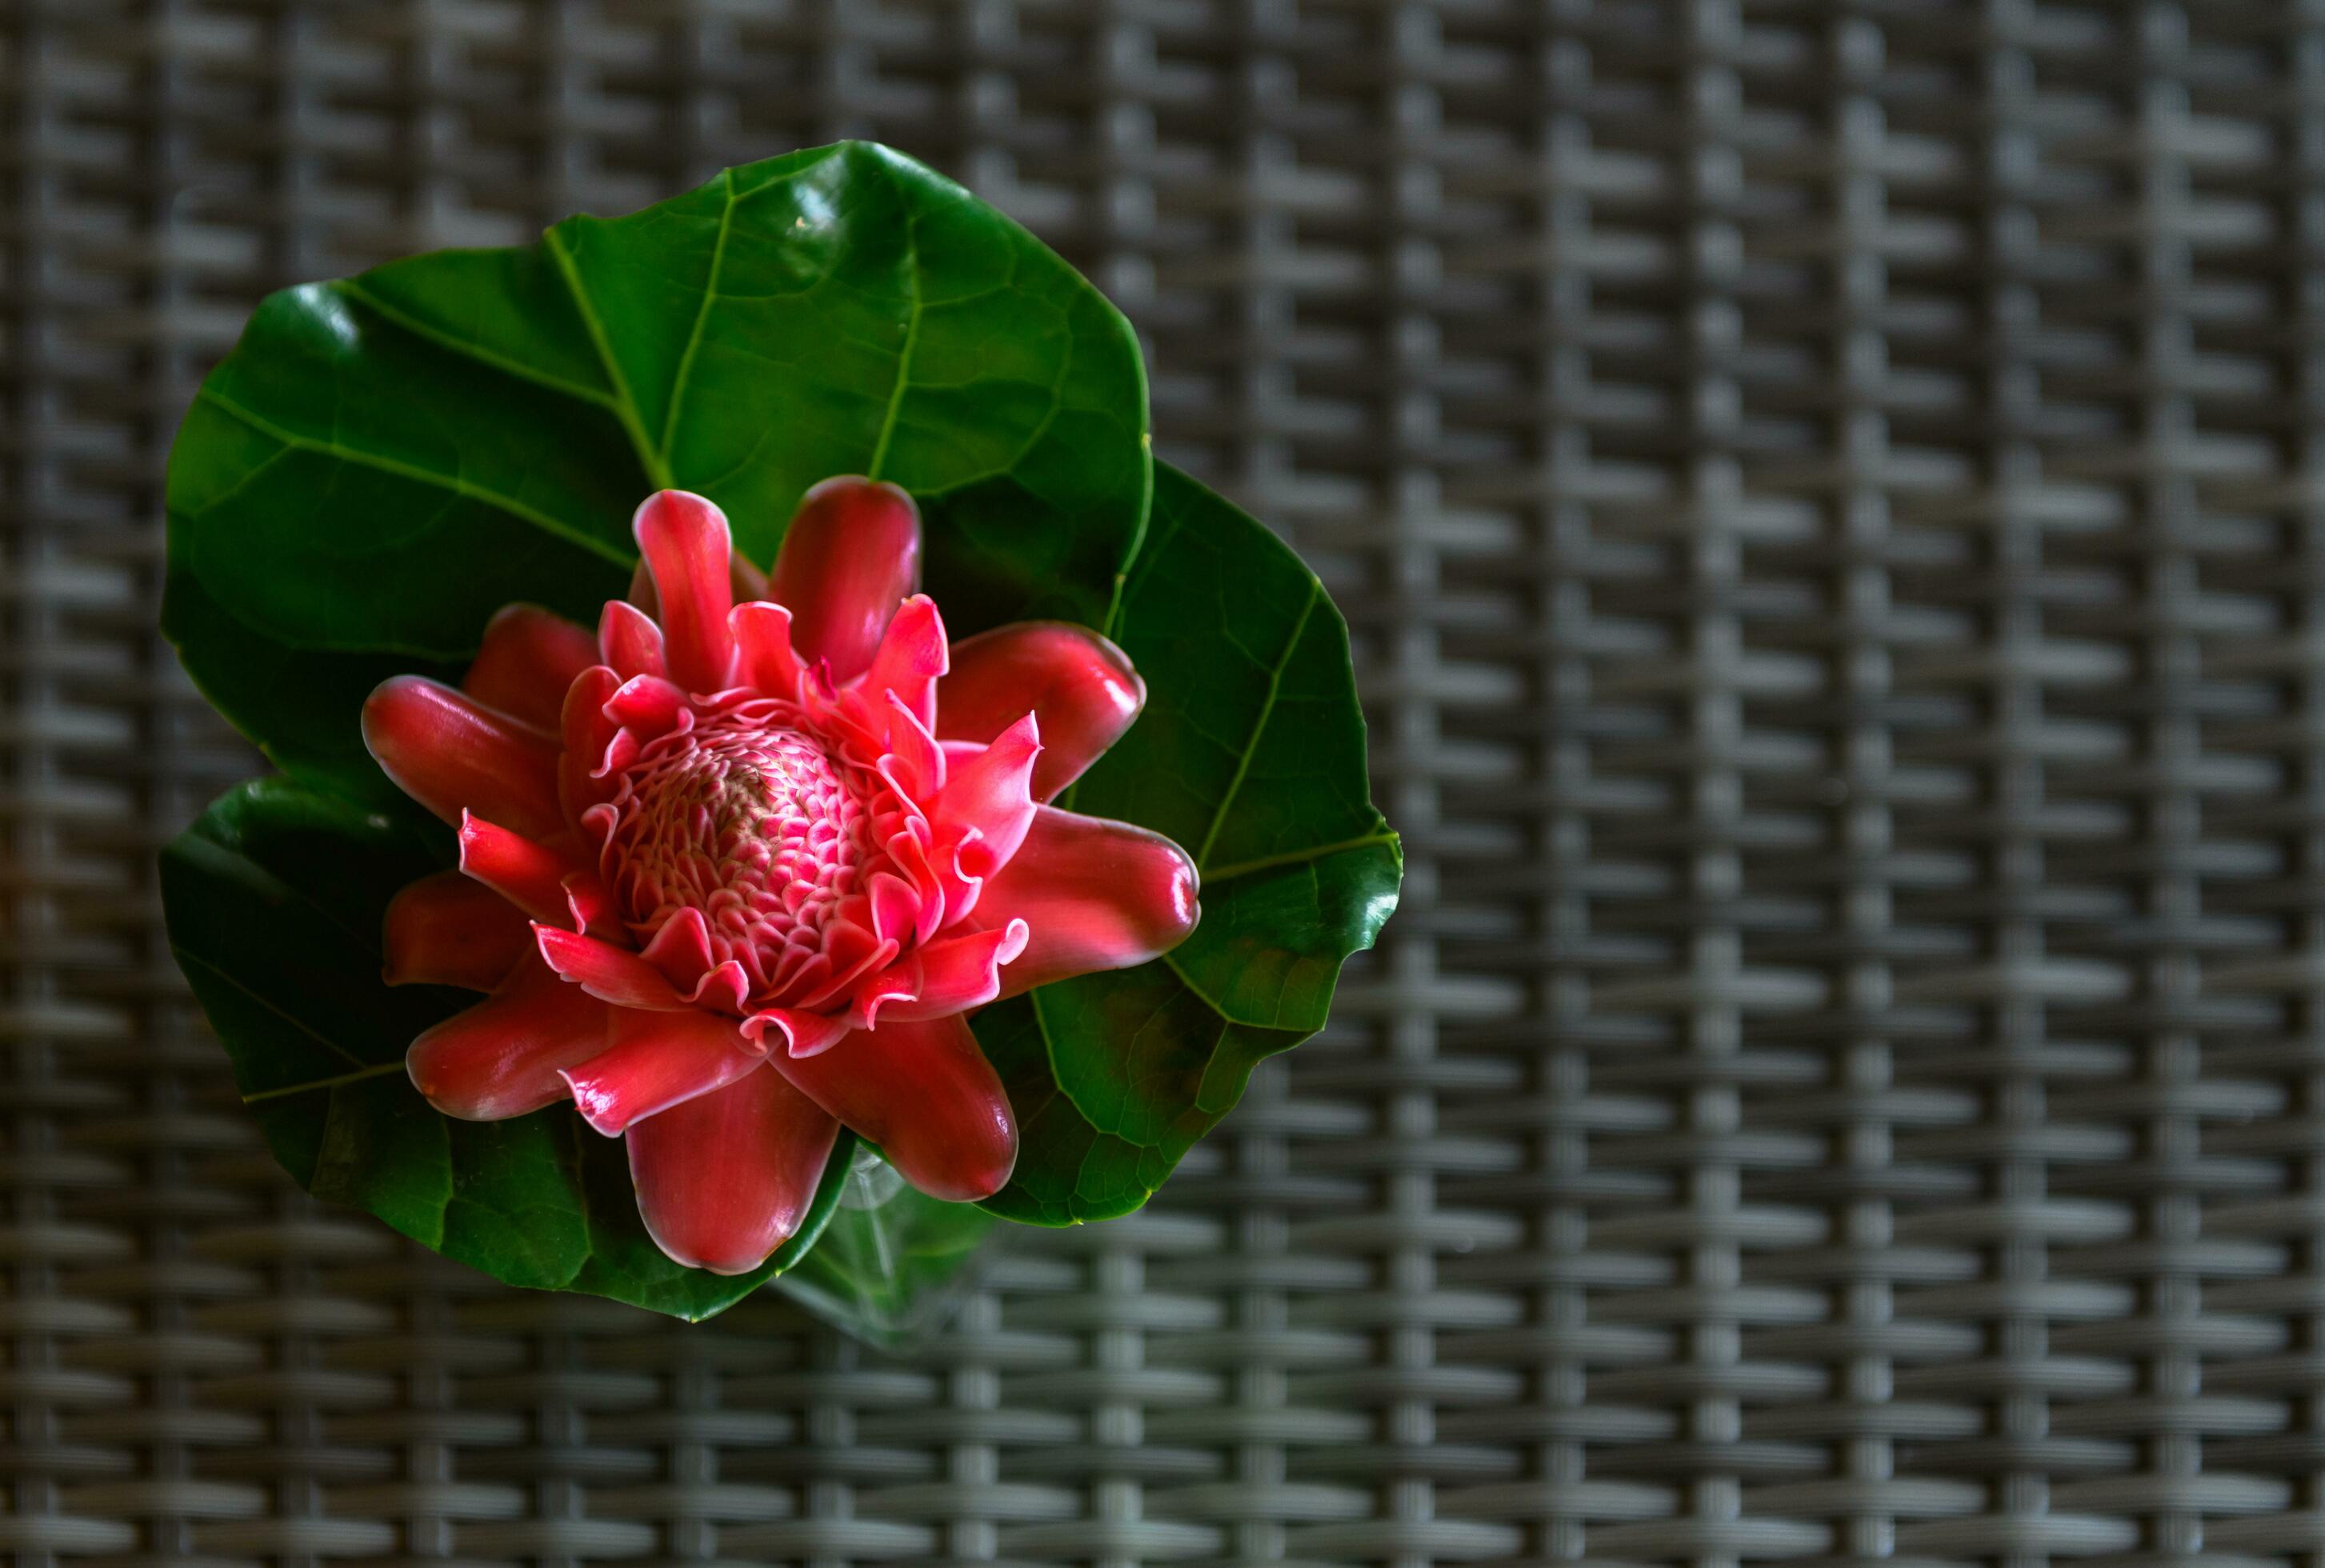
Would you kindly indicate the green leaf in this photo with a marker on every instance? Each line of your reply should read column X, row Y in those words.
column 385, row 460
column 1251, row 752
column 274, row 901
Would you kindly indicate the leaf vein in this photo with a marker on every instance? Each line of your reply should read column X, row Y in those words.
column 443, row 339
column 701, row 316
column 1294, row 856
column 911, row 329
column 380, row 1069
column 625, row 405
column 1259, row 725
column 417, row 475
column 309, row 1030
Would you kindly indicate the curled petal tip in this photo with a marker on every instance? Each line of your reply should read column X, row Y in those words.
column 598, row 1110
column 529, row 874
column 629, row 642
column 803, row 1034
column 850, row 556
column 765, row 659
column 648, row 705
column 990, row 796
column 683, row 516
column 656, row 1061
column 502, row 1057
column 681, row 950
column 1097, row 895
column 1082, row 685
column 919, row 760
column 917, row 636
column 612, row 974
column 955, row 974
column 586, row 732
column 910, row 660
column 687, row 547
column 589, row 904
column 528, row 658
column 725, row 990
column 451, row 753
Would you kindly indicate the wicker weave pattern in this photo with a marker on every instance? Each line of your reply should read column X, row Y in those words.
column 1830, row 501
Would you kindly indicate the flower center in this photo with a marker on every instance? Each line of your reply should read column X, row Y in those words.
column 747, row 818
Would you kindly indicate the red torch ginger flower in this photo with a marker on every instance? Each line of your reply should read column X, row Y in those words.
column 734, row 870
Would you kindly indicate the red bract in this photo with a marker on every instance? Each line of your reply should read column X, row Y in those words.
column 735, row 873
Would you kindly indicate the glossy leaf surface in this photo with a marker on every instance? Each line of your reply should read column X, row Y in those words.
column 384, row 460
column 1251, row 752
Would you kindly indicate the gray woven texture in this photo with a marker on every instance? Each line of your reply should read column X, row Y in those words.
column 1831, row 504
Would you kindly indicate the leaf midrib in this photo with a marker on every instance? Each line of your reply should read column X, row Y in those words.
column 1058, row 1083
column 185, row 956
column 701, row 319
column 1365, row 840
column 467, row 348
column 378, row 1070
column 911, row 327
column 1259, row 724
column 626, row 403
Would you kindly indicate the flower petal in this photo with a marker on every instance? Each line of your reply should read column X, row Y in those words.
column 942, row 979
column 587, row 732
column 850, row 954
column 532, row 876
column 590, row 903
column 991, row 793
column 631, row 642
column 658, row 1059
column 894, row 906
column 926, row 1095
column 687, row 545
column 723, row 989
column 501, row 1057
column 528, row 658
column 447, row 751
column 445, row 930
column 763, row 659
column 1096, row 894
column 910, row 660
column 804, row 1034
column 725, row 1179
column 915, row 763
column 747, row 581
column 681, row 950
column 852, row 553
column 1080, row 685
column 648, row 705
column 916, row 861
column 614, row 974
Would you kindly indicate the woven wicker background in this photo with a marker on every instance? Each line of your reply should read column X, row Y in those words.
column 1831, row 501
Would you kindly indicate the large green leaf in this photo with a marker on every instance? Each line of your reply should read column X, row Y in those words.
column 1251, row 752
column 385, row 460
column 274, row 901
